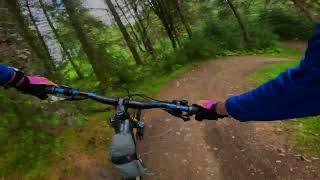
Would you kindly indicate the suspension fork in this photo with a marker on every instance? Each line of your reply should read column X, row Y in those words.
column 139, row 125
column 123, row 123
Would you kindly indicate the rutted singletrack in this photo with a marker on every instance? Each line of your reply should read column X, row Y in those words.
column 227, row 149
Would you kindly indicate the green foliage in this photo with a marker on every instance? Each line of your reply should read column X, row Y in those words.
column 262, row 36
column 29, row 141
column 30, row 133
column 228, row 36
column 198, row 48
column 219, row 38
column 225, row 34
column 287, row 24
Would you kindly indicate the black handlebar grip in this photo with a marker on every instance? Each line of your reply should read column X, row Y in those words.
column 194, row 109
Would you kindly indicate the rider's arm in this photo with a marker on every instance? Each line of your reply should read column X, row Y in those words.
column 6, row 73
column 293, row 94
column 34, row 85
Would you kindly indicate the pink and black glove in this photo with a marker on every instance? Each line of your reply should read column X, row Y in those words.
column 33, row 85
column 207, row 110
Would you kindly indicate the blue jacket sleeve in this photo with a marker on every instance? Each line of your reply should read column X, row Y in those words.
column 293, row 94
column 6, row 73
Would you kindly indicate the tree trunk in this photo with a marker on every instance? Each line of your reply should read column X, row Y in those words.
column 124, row 32
column 2, row 4
column 159, row 10
column 95, row 54
column 244, row 29
column 183, row 19
column 141, row 28
column 63, row 46
column 50, row 63
column 138, row 40
column 169, row 16
column 170, row 33
column 300, row 6
column 15, row 8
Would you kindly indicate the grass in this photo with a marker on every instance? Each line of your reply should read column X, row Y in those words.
column 306, row 136
column 83, row 146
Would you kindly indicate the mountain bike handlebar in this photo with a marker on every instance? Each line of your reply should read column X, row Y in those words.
column 128, row 129
column 173, row 107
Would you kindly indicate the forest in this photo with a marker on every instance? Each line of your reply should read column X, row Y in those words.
column 124, row 45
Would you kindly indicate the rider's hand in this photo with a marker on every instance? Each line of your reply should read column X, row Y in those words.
column 33, row 85
column 207, row 110
column 36, row 85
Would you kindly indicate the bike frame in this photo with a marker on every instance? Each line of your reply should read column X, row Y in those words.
column 122, row 122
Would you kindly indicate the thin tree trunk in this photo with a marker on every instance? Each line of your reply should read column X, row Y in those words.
column 138, row 40
column 50, row 63
column 160, row 12
column 170, row 33
column 63, row 46
column 170, row 20
column 124, row 32
column 15, row 8
column 183, row 19
column 174, row 31
column 303, row 9
column 141, row 28
column 23, row 25
column 95, row 54
column 2, row 4
column 244, row 29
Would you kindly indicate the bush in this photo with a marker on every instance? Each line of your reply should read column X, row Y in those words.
column 220, row 38
column 28, row 134
column 200, row 47
column 225, row 34
column 229, row 36
column 288, row 25
column 197, row 49
column 262, row 36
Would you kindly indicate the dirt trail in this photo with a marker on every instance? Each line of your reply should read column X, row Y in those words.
column 175, row 150
column 298, row 45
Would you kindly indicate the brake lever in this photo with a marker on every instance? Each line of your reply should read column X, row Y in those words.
column 184, row 116
column 185, row 119
column 54, row 99
column 178, row 114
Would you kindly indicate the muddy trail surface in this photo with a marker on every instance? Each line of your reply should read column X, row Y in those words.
column 227, row 149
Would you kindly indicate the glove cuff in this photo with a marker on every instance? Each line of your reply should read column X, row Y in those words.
column 18, row 80
column 219, row 112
